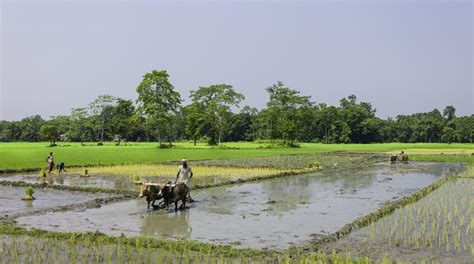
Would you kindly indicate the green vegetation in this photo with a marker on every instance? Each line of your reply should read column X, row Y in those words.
column 18, row 245
column 32, row 155
column 29, row 191
column 159, row 115
column 441, row 222
column 85, row 173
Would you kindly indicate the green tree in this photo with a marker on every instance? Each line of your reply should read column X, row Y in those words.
column 284, row 111
column 122, row 119
column 449, row 112
column 158, row 101
column 101, row 110
column 49, row 132
column 215, row 101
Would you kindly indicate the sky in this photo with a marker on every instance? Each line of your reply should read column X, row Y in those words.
column 402, row 56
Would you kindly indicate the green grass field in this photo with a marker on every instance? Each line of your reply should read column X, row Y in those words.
column 33, row 155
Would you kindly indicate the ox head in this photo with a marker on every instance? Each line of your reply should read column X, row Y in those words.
column 144, row 189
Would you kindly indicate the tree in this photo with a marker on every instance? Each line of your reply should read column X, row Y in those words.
column 158, row 101
column 193, row 121
column 449, row 112
column 215, row 101
column 50, row 133
column 101, row 108
column 30, row 128
column 122, row 118
column 241, row 125
column 82, row 127
column 284, row 111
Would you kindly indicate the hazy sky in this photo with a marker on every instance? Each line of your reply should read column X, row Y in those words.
column 402, row 56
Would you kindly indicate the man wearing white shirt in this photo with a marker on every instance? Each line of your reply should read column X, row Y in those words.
column 184, row 175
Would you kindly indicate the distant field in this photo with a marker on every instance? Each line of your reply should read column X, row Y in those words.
column 33, row 155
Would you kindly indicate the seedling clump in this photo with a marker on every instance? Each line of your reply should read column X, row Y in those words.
column 29, row 194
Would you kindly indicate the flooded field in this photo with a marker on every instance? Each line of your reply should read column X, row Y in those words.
column 438, row 228
column 276, row 213
column 11, row 203
column 104, row 181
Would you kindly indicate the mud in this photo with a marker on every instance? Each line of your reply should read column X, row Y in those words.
column 277, row 213
column 103, row 181
column 46, row 199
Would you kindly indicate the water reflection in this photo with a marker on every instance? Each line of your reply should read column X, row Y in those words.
column 174, row 224
column 221, row 200
column 284, row 196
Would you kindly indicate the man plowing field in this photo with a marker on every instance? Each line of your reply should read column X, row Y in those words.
column 184, row 175
column 170, row 193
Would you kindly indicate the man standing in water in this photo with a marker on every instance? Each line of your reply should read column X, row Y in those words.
column 50, row 161
column 184, row 175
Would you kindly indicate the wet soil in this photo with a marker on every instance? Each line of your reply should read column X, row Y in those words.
column 104, row 181
column 46, row 199
column 277, row 213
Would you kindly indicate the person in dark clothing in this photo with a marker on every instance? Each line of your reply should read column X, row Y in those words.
column 61, row 167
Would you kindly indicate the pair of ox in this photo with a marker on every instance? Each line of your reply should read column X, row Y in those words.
column 170, row 193
column 403, row 158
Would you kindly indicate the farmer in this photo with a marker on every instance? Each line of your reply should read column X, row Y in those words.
column 50, row 161
column 403, row 157
column 184, row 175
column 61, row 167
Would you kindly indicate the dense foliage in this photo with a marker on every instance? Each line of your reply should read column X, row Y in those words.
column 159, row 115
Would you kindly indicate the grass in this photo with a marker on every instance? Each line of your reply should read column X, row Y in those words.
column 442, row 222
column 171, row 170
column 18, row 245
column 14, row 156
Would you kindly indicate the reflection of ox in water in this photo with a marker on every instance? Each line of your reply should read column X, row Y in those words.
column 174, row 225
column 171, row 193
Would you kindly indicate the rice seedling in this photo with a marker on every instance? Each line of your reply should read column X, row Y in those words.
column 42, row 173
column 136, row 179
column 441, row 222
column 29, row 191
column 139, row 171
column 85, row 173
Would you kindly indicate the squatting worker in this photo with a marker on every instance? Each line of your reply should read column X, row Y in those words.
column 184, row 175
column 50, row 161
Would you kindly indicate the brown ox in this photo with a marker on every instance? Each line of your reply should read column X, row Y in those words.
column 393, row 158
column 174, row 194
column 404, row 158
column 151, row 191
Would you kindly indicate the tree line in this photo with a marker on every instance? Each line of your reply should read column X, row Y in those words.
column 158, row 115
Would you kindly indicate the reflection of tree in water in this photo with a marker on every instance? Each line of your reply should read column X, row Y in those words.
column 285, row 194
column 175, row 225
column 221, row 200
column 351, row 180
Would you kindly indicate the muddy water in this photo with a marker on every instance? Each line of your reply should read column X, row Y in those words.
column 11, row 203
column 105, row 181
column 276, row 213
